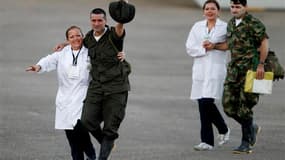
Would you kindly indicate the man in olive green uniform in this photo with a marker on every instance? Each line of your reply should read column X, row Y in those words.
column 108, row 90
column 246, row 36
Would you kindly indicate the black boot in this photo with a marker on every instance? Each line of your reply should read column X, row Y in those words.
column 245, row 142
column 255, row 129
column 106, row 148
column 243, row 148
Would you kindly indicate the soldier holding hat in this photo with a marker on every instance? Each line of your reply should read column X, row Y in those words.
column 107, row 94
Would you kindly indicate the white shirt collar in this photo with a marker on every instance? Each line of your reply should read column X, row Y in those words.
column 98, row 37
column 238, row 21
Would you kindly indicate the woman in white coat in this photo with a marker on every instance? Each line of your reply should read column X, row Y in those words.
column 208, row 73
column 73, row 78
column 72, row 65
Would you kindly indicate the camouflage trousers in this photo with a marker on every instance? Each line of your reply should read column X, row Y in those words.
column 236, row 102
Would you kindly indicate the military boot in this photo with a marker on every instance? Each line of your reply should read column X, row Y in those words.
column 243, row 148
column 245, row 142
column 255, row 129
column 106, row 148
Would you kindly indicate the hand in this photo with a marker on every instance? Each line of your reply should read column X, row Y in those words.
column 260, row 71
column 121, row 56
column 33, row 68
column 208, row 45
column 59, row 47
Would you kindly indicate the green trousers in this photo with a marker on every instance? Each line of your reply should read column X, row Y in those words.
column 107, row 109
column 236, row 102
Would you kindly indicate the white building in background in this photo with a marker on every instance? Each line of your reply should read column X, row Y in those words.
column 254, row 4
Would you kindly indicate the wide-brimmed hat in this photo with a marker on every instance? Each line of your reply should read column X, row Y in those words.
column 122, row 11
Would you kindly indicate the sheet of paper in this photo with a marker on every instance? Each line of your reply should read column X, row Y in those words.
column 262, row 86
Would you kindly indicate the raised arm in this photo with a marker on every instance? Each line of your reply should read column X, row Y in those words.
column 119, row 28
column 122, row 12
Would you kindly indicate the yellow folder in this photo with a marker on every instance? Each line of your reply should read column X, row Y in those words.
column 253, row 85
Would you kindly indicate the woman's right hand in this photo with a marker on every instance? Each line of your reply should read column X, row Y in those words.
column 33, row 68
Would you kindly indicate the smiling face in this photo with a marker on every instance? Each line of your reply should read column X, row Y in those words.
column 211, row 11
column 98, row 22
column 75, row 38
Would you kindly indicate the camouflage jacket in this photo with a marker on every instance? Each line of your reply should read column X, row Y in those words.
column 244, row 40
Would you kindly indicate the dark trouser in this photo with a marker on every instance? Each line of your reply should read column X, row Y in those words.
column 209, row 114
column 109, row 109
column 80, row 143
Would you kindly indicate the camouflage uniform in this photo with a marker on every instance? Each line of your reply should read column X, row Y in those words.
column 243, row 41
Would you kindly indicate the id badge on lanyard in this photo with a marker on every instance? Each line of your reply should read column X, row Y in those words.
column 208, row 34
column 74, row 72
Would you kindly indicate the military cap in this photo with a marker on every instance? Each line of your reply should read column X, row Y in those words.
column 122, row 11
column 242, row 2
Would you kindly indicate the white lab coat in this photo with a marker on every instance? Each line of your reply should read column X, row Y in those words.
column 209, row 68
column 71, row 92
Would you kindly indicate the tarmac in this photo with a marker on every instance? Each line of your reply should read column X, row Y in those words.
column 161, row 122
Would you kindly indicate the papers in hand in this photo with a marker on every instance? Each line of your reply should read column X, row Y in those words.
column 253, row 85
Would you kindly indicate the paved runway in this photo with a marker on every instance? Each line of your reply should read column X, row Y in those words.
column 161, row 122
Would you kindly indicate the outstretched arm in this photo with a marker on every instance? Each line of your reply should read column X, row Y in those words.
column 33, row 68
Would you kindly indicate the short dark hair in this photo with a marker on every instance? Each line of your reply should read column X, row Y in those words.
column 242, row 2
column 70, row 28
column 98, row 11
column 212, row 1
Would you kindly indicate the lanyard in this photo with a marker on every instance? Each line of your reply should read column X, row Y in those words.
column 74, row 61
column 209, row 34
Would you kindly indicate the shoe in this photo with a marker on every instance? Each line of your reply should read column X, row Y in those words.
column 256, row 130
column 224, row 138
column 203, row 147
column 243, row 148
